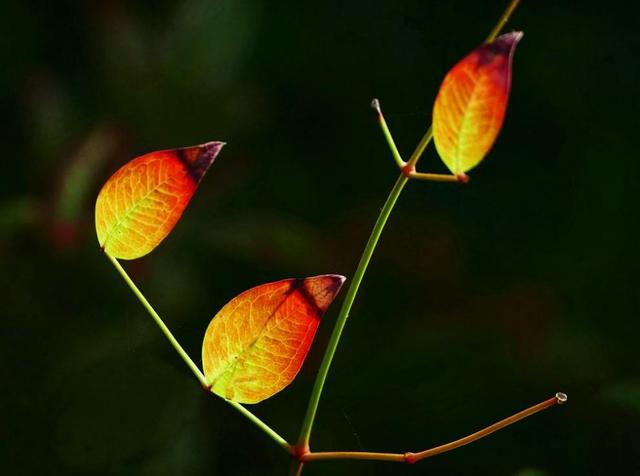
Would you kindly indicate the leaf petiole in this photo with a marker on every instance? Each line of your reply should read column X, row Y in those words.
column 461, row 178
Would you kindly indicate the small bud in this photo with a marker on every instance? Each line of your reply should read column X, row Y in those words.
column 561, row 397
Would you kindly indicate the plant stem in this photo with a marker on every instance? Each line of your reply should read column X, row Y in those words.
column 502, row 21
column 559, row 398
column 187, row 360
column 408, row 169
column 163, row 327
column 263, row 426
column 422, row 145
column 375, row 104
column 296, row 468
column 307, row 424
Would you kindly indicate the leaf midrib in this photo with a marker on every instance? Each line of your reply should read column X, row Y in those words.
column 133, row 208
column 465, row 119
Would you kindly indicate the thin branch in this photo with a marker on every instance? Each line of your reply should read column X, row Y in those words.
column 296, row 468
column 263, row 426
column 557, row 399
column 502, row 21
column 375, row 104
column 163, row 327
column 316, row 393
column 407, row 169
column 190, row 363
column 422, row 145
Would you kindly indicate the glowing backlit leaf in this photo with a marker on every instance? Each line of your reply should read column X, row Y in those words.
column 141, row 203
column 470, row 107
column 256, row 344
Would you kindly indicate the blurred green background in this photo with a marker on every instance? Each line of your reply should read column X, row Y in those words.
column 481, row 300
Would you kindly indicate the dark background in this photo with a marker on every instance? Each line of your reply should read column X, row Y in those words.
column 480, row 301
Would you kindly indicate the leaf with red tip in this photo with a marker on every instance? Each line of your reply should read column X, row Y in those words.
column 470, row 107
column 256, row 344
column 141, row 203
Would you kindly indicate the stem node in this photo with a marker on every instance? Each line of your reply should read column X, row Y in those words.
column 463, row 178
column 410, row 458
column 299, row 451
column 408, row 170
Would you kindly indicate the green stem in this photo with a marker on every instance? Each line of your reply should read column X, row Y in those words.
column 422, row 145
column 296, row 468
column 307, row 424
column 163, row 327
column 305, row 433
column 502, row 21
column 190, row 363
column 263, row 426
column 462, row 178
column 375, row 104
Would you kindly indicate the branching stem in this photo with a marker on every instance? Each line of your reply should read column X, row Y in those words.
column 410, row 458
column 408, row 169
column 305, row 432
column 301, row 452
column 375, row 104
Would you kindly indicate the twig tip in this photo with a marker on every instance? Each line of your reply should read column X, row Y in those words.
column 410, row 458
column 561, row 397
column 375, row 104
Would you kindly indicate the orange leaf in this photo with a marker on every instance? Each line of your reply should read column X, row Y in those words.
column 141, row 203
column 469, row 110
column 256, row 344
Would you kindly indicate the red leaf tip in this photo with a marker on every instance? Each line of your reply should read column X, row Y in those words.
column 209, row 152
column 198, row 159
column 321, row 290
column 213, row 147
